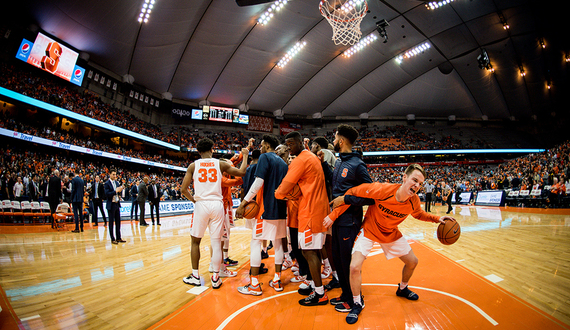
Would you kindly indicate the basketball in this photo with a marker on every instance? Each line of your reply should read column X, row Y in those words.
column 448, row 232
column 251, row 210
column 295, row 193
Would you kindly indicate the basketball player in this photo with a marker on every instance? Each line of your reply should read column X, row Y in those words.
column 206, row 174
column 393, row 203
column 270, row 170
column 349, row 171
column 307, row 171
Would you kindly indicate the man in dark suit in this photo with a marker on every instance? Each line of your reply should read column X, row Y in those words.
column 113, row 191
column 33, row 188
column 97, row 196
column 134, row 202
column 54, row 193
column 77, row 194
column 141, row 199
column 154, row 194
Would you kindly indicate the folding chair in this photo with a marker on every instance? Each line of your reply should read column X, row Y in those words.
column 61, row 216
column 6, row 211
column 17, row 212
column 36, row 212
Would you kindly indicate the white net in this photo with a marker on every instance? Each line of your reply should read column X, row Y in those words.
column 344, row 16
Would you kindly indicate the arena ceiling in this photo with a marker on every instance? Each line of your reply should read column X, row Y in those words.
column 214, row 50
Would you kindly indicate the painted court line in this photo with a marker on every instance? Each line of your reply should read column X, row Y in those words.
column 470, row 304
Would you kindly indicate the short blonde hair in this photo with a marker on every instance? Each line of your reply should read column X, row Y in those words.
column 415, row 167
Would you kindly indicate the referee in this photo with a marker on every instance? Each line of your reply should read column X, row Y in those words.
column 429, row 187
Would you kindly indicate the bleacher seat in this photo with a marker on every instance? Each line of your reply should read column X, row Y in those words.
column 512, row 198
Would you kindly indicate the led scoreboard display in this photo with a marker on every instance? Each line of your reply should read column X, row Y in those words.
column 51, row 56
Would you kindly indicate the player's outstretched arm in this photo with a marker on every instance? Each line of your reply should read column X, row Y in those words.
column 227, row 168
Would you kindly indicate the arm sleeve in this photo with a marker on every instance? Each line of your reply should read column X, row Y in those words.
column 254, row 189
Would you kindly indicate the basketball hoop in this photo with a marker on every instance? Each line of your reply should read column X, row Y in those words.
column 344, row 16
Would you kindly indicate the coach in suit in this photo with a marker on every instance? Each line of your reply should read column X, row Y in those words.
column 77, row 194
column 141, row 199
column 97, row 196
column 154, row 194
column 113, row 191
column 54, row 193
column 33, row 189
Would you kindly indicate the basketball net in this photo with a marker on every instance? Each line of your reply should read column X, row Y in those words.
column 344, row 16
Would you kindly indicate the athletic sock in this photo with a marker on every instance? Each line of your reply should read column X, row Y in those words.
column 326, row 262
column 196, row 273
column 254, row 280
column 216, row 276
column 320, row 290
column 226, row 254
column 403, row 285
column 277, row 276
column 357, row 300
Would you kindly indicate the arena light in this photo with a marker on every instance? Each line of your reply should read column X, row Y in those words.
column 420, row 49
column 291, row 53
column 437, row 4
column 360, row 45
column 146, row 9
column 268, row 14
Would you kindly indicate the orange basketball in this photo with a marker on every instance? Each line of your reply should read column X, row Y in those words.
column 251, row 210
column 295, row 193
column 448, row 232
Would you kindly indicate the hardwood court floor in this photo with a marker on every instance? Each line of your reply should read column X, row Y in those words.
column 55, row 280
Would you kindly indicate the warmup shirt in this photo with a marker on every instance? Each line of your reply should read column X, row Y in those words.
column 272, row 169
column 350, row 171
column 307, row 171
column 207, row 180
column 382, row 219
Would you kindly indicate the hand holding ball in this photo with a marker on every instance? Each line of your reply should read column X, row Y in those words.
column 448, row 232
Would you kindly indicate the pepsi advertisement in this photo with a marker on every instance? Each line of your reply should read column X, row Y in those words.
column 53, row 57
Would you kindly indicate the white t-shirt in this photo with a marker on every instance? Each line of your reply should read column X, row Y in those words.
column 207, row 180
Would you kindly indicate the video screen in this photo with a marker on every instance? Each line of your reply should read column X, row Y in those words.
column 52, row 56
column 222, row 114
column 197, row 114
column 244, row 119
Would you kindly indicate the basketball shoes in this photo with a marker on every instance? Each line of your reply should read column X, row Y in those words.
column 250, row 289
column 315, row 299
column 227, row 273
column 216, row 284
column 407, row 293
column 192, row 280
column 276, row 285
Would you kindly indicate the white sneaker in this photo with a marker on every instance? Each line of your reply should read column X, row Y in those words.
column 298, row 279
column 216, row 284
column 192, row 280
column 305, row 284
column 227, row 273
column 295, row 268
column 327, row 272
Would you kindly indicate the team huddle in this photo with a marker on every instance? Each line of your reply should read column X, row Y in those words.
column 323, row 222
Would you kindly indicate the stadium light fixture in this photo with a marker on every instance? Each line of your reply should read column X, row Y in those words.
column 360, row 45
column 437, row 4
column 268, row 14
column 420, row 49
column 291, row 53
column 146, row 9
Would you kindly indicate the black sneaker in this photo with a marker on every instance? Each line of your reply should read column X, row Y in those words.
column 229, row 262
column 407, row 293
column 333, row 284
column 343, row 307
column 305, row 291
column 352, row 317
column 315, row 299
column 264, row 255
column 336, row 301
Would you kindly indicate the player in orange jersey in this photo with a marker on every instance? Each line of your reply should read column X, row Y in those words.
column 306, row 170
column 393, row 204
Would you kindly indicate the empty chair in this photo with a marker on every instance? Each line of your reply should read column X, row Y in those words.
column 46, row 211
column 17, row 214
